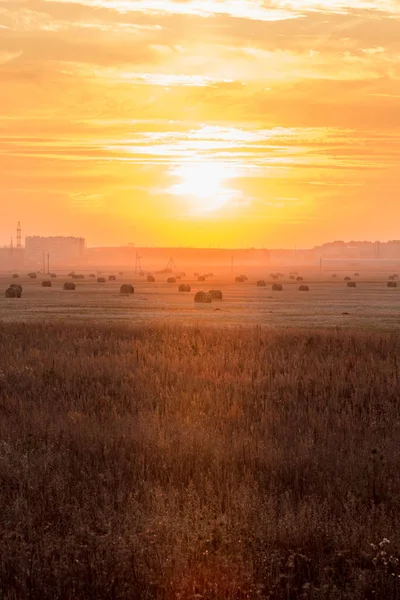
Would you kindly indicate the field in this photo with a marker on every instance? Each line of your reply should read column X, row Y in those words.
column 329, row 303
column 171, row 462
column 151, row 449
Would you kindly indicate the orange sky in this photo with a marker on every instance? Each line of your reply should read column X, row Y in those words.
column 200, row 122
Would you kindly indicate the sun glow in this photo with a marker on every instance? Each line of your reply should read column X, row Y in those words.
column 202, row 185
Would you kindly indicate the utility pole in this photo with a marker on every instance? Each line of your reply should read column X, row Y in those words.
column 44, row 262
column 48, row 263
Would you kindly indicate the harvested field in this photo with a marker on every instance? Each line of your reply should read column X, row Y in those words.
column 372, row 305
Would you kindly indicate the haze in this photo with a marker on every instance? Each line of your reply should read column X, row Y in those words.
column 200, row 122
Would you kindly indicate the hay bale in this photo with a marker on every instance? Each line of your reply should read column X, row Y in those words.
column 184, row 287
column 53, row 275
column 18, row 287
column 101, row 280
column 277, row 287
column 261, row 283
column 299, row 278
column 216, row 294
column 391, row 277
column 120, row 274
column 171, row 280
column 201, row 278
column 178, row 277
column 203, row 297
column 78, row 276
column 32, row 275
column 69, row 285
column 304, row 288
column 292, row 277
column 274, row 276
column 150, row 279
column 239, row 279
column 127, row 288
column 347, row 279
column 15, row 276
column 356, row 274
column 112, row 278
column 334, row 275
column 92, row 275
column 392, row 284
column 46, row 283
column 244, row 277
column 351, row 284
column 71, row 274
column 196, row 274
column 11, row 293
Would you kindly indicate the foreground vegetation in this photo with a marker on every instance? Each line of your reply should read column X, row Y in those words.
column 198, row 463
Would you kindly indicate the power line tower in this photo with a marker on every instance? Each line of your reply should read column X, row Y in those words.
column 19, row 235
column 138, row 266
column 171, row 265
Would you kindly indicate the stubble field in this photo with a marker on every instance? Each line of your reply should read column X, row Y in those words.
column 150, row 457
column 329, row 303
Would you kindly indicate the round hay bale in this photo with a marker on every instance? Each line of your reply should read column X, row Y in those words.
column 292, row 277
column 356, row 274
column 18, row 287
column 334, row 276
column 178, row 277
column 274, row 276
column 239, row 279
column 216, row 294
column 392, row 284
column 196, row 274
column 71, row 274
column 184, row 287
column 78, row 276
column 391, row 277
column 261, row 283
column 299, row 278
column 101, row 280
column 127, row 288
column 244, row 277
column 351, row 284
column 112, row 278
column 46, row 283
column 201, row 278
column 171, row 280
column 121, row 274
column 150, row 279
column 32, row 275
column 15, row 276
column 11, row 293
column 347, row 279
column 69, row 285
column 203, row 297
column 304, row 288
column 92, row 275
column 277, row 287
column 53, row 275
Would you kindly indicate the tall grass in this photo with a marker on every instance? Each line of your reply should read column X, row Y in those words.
column 169, row 463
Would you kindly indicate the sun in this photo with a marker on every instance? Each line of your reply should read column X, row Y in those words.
column 202, row 185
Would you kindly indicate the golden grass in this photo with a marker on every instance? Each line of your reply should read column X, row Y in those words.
column 186, row 463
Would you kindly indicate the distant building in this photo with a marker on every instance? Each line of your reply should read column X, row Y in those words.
column 62, row 250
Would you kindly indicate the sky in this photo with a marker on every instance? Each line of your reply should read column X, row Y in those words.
column 236, row 123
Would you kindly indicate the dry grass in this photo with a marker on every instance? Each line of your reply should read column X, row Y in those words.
column 186, row 463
